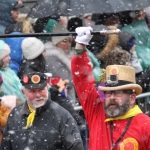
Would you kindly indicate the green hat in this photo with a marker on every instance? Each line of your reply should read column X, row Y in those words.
column 48, row 28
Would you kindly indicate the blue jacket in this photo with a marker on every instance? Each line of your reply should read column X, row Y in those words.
column 16, row 51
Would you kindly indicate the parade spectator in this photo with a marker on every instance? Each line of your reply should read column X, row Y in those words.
column 9, row 13
column 58, row 59
column 127, row 42
column 40, row 119
column 33, row 53
column 141, row 33
column 115, row 122
column 15, row 43
column 11, row 83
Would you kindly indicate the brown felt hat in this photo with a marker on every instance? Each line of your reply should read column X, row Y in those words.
column 120, row 77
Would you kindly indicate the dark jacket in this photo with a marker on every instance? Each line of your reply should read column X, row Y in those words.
column 53, row 129
column 5, row 14
column 56, row 97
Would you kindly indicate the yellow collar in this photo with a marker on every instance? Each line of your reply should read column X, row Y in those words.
column 132, row 112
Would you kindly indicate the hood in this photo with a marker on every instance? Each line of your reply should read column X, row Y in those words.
column 59, row 53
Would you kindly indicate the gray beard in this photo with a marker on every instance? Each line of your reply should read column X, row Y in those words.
column 118, row 110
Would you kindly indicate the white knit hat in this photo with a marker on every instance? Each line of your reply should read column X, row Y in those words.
column 4, row 49
column 32, row 47
column 59, row 29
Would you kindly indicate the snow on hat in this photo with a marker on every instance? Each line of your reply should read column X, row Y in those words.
column 32, row 47
column 59, row 29
column 4, row 49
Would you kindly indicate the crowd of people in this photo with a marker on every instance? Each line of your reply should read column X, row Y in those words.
column 102, row 73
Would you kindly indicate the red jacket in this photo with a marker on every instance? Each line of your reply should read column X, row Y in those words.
column 137, row 136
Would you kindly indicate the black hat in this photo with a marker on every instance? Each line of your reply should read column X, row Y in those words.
column 34, row 80
column 18, row 5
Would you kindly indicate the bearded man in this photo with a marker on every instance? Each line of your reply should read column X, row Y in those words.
column 40, row 123
column 115, row 122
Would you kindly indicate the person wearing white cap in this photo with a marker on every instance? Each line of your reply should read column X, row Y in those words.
column 58, row 58
column 33, row 52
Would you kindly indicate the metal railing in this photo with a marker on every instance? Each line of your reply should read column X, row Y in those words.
column 143, row 101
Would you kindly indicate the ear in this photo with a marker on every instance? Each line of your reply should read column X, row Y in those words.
column 132, row 98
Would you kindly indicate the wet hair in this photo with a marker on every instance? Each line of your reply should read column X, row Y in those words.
column 118, row 56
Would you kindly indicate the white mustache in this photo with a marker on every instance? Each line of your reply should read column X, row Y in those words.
column 41, row 98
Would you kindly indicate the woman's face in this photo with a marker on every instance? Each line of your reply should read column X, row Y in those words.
column 6, row 61
column 65, row 45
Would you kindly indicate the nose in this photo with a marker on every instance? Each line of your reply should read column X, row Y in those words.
column 112, row 96
column 8, row 57
column 37, row 94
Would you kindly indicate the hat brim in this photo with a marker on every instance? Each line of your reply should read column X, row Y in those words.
column 36, row 86
column 136, row 87
column 18, row 6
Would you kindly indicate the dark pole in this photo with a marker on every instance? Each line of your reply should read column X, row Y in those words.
column 103, row 32
column 40, row 34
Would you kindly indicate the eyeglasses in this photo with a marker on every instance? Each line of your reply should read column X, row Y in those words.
column 117, row 93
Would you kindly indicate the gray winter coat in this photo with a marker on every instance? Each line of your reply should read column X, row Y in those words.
column 59, row 64
column 53, row 129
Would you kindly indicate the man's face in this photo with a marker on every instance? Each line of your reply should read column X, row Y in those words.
column 116, row 103
column 14, row 14
column 36, row 97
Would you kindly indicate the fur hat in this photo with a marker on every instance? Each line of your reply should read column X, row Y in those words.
column 59, row 29
column 118, row 57
column 32, row 47
column 120, row 77
column 101, row 45
column 4, row 49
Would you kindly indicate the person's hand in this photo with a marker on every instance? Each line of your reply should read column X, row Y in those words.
column 62, row 84
column 83, row 35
